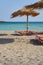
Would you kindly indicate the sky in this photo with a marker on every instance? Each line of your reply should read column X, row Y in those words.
column 7, row 7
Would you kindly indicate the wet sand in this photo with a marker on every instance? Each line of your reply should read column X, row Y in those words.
column 20, row 50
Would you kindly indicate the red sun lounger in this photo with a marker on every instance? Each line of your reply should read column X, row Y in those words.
column 40, row 38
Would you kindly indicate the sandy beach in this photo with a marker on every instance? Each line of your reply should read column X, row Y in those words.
column 20, row 50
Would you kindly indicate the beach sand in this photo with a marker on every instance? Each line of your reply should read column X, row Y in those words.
column 20, row 50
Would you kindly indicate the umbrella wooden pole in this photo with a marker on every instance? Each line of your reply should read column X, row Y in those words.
column 27, row 24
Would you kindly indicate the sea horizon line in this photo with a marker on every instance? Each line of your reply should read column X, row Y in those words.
column 19, row 21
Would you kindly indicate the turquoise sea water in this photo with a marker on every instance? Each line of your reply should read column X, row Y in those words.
column 21, row 25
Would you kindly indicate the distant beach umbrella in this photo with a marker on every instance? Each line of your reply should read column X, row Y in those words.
column 37, row 5
column 26, row 12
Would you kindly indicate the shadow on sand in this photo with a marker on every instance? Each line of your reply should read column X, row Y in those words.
column 6, row 40
column 22, row 34
column 3, row 34
column 35, row 42
column 16, row 34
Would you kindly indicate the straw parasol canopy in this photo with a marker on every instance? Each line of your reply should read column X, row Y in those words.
column 26, row 12
column 37, row 5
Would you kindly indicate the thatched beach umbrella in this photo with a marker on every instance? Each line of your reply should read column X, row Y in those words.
column 37, row 5
column 26, row 12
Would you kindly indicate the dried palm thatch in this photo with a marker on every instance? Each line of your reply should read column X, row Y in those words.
column 37, row 5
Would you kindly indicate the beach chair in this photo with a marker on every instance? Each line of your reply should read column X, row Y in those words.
column 25, row 32
column 17, row 33
column 40, row 37
column 21, row 32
